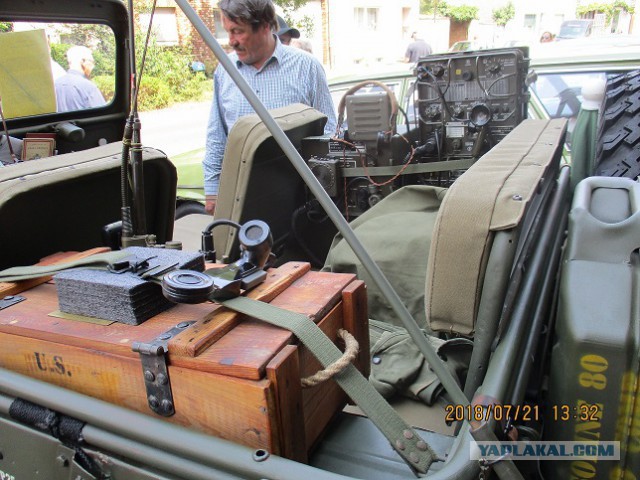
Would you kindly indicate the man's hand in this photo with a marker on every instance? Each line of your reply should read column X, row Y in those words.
column 210, row 203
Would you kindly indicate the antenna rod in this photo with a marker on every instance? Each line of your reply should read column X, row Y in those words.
column 125, row 192
column 134, row 217
column 132, row 59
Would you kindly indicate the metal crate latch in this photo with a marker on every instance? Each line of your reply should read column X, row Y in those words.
column 153, row 356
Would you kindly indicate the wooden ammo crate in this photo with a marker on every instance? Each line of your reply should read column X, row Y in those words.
column 231, row 376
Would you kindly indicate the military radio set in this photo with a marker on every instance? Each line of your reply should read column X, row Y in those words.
column 468, row 103
column 463, row 104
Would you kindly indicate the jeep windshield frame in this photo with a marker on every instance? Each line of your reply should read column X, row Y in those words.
column 111, row 13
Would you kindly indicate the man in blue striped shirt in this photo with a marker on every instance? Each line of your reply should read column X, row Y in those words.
column 278, row 74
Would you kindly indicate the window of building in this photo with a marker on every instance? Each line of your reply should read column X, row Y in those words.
column 530, row 21
column 406, row 21
column 165, row 25
column 366, row 18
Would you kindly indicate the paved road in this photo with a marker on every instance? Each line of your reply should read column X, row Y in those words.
column 177, row 129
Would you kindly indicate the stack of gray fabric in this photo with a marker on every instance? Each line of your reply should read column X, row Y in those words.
column 128, row 297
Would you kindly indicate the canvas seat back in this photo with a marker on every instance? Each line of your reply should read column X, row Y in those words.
column 62, row 203
column 257, row 179
column 484, row 220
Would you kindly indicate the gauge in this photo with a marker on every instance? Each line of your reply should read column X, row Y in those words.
column 480, row 115
column 325, row 175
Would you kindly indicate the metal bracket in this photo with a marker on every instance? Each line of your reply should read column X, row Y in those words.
column 155, row 372
column 9, row 300
column 68, row 467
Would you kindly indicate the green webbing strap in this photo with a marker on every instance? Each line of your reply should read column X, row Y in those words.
column 415, row 451
column 15, row 274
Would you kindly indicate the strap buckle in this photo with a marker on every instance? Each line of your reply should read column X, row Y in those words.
column 131, row 264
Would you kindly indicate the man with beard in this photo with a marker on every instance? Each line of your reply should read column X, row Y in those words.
column 278, row 74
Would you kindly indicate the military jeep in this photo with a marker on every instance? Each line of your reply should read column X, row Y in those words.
column 491, row 292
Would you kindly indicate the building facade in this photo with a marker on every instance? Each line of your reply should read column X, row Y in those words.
column 341, row 32
column 348, row 33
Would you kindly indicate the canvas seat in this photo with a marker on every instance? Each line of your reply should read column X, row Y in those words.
column 465, row 241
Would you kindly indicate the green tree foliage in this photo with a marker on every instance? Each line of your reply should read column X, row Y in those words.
column 458, row 13
column 290, row 5
column 106, row 85
column 428, row 7
column 502, row 15
column 167, row 77
column 461, row 13
column 608, row 8
column 6, row 27
column 306, row 25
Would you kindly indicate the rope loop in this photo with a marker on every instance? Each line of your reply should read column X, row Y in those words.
column 350, row 352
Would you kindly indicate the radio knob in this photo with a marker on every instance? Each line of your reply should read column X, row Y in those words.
column 433, row 113
column 438, row 70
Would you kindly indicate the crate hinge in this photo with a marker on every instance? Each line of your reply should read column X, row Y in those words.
column 9, row 300
column 153, row 356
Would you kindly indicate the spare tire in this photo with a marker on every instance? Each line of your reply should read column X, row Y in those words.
column 189, row 208
column 618, row 144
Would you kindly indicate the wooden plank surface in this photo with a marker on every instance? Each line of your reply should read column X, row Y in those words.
column 31, row 318
column 208, row 330
column 314, row 294
column 356, row 321
column 243, row 352
column 322, row 402
column 235, row 378
column 223, row 406
column 284, row 373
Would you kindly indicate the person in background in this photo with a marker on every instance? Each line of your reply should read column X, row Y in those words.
column 285, row 32
column 546, row 37
column 74, row 90
column 279, row 75
column 302, row 44
column 418, row 48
